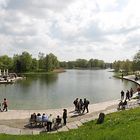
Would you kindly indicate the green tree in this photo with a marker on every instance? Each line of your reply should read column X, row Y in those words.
column 63, row 64
column 136, row 61
column 26, row 61
column 17, row 63
column 6, row 62
column 90, row 63
column 126, row 65
column 81, row 63
column 23, row 62
column 71, row 64
column 34, row 65
column 51, row 62
column 41, row 61
column 117, row 65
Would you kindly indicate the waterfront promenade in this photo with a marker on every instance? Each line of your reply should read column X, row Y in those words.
column 13, row 121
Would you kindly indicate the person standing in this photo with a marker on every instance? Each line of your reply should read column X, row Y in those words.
column 49, row 123
column 80, row 106
column 5, row 105
column 65, row 116
column 76, row 104
column 127, row 95
column 122, row 95
column 86, row 103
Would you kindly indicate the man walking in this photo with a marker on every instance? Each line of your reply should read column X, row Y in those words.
column 128, row 95
column 86, row 103
column 122, row 95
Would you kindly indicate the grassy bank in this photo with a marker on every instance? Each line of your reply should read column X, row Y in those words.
column 45, row 72
column 123, row 125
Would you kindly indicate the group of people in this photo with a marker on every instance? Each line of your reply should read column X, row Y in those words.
column 124, row 97
column 49, row 122
column 4, row 105
column 81, row 106
column 128, row 95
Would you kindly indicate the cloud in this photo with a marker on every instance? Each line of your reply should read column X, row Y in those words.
column 71, row 29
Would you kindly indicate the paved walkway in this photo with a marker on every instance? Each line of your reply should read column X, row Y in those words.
column 70, row 125
column 73, row 122
column 132, row 78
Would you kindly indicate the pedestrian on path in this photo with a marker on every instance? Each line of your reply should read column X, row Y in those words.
column 122, row 95
column 65, row 116
column 80, row 106
column 76, row 104
column 5, row 105
column 128, row 95
column 86, row 103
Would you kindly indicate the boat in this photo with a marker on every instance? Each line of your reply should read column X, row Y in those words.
column 6, row 82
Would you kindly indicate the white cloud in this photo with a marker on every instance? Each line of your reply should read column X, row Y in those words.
column 71, row 29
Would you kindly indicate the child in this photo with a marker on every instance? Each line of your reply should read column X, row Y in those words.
column 5, row 105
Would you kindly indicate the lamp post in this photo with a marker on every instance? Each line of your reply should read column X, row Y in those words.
column 4, row 72
column 7, row 72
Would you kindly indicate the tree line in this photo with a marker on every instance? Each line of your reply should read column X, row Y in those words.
column 26, row 63
column 127, row 65
column 84, row 64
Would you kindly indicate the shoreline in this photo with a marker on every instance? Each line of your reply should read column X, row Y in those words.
column 132, row 79
column 17, row 119
column 14, row 122
column 24, row 114
column 56, row 71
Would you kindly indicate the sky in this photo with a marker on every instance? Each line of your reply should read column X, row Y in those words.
column 100, row 29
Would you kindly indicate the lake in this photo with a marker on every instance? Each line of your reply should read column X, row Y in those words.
column 59, row 90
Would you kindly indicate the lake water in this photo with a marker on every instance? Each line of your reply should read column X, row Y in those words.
column 59, row 90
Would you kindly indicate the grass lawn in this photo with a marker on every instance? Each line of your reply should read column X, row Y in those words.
column 123, row 125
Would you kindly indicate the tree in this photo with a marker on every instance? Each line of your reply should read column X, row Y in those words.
column 101, row 64
column 6, row 62
column 23, row 62
column 126, row 65
column 71, row 64
column 90, row 63
column 34, row 65
column 17, row 63
column 81, row 63
column 26, row 61
column 41, row 61
column 63, row 64
column 51, row 62
column 136, row 61
column 117, row 65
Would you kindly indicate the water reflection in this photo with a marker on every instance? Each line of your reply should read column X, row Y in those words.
column 48, row 79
